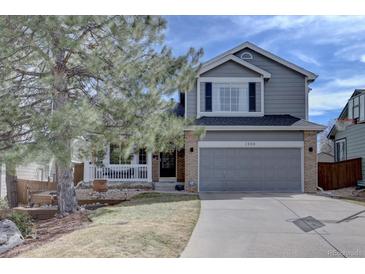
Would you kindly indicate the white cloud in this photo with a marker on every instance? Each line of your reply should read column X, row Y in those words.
column 357, row 81
column 333, row 94
column 353, row 52
column 305, row 58
column 320, row 29
column 321, row 102
column 316, row 112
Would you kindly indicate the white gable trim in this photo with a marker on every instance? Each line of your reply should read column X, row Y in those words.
column 311, row 76
column 234, row 58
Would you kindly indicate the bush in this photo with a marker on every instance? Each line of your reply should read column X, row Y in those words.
column 23, row 222
column 3, row 204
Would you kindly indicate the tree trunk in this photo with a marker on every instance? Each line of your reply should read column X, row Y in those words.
column 67, row 202
column 11, row 181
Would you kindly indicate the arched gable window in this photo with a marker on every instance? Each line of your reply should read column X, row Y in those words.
column 246, row 56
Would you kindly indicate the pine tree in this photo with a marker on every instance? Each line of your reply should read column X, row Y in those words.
column 96, row 79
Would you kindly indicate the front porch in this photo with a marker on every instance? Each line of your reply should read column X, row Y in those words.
column 119, row 173
column 141, row 166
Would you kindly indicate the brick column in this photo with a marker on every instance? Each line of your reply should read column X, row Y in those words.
column 310, row 161
column 191, row 162
column 180, row 165
column 155, row 167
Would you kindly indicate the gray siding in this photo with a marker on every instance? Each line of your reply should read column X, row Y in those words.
column 285, row 91
column 190, row 104
column 230, row 69
column 355, row 143
column 253, row 136
column 250, row 169
column 202, row 96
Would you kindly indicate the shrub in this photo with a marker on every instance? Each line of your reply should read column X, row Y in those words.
column 23, row 222
column 3, row 203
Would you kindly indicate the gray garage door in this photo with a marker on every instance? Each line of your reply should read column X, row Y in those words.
column 250, row 169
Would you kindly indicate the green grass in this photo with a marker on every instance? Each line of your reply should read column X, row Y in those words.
column 150, row 225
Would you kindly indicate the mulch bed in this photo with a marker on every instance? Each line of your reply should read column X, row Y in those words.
column 49, row 230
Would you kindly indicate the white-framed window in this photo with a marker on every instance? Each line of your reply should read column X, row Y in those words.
column 356, row 108
column 116, row 156
column 230, row 97
column 340, row 149
column 246, row 55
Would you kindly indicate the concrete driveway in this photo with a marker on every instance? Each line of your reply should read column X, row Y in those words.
column 277, row 225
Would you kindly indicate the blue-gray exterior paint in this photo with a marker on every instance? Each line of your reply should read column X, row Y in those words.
column 230, row 69
column 250, row 169
column 190, row 103
column 285, row 91
column 253, row 136
column 355, row 143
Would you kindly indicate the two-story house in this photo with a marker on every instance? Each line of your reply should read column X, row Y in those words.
column 349, row 134
column 253, row 106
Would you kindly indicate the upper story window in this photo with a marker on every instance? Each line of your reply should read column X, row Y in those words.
column 246, row 56
column 230, row 97
column 356, row 108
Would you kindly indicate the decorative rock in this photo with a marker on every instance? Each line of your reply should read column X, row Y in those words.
column 3, row 239
column 10, row 236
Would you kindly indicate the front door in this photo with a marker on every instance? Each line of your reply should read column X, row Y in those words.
column 168, row 164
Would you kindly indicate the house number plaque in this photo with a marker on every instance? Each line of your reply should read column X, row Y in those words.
column 249, row 144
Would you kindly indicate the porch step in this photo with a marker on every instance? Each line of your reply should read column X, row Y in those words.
column 166, row 186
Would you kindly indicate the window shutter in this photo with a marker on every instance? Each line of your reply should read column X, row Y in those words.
column 252, row 97
column 208, row 97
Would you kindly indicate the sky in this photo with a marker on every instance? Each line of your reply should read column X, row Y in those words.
column 332, row 47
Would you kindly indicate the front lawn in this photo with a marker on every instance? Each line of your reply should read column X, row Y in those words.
column 150, row 225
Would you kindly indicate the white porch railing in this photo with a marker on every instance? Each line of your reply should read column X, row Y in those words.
column 121, row 173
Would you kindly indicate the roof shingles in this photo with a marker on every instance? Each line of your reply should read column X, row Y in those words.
column 266, row 120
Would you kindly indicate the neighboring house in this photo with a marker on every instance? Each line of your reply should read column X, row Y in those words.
column 349, row 133
column 253, row 106
column 324, row 157
column 30, row 171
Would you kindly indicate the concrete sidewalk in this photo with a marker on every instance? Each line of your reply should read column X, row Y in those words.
column 277, row 225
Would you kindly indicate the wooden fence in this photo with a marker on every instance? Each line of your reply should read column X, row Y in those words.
column 25, row 187
column 339, row 174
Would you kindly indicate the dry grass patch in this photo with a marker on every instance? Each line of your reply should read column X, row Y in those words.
column 150, row 225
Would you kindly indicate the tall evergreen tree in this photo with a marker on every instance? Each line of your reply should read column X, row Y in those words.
column 98, row 79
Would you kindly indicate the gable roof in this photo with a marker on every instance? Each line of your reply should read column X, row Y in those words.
column 310, row 75
column 231, row 57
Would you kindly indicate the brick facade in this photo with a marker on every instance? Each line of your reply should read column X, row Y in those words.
column 310, row 161
column 191, row 161
column 180, row 165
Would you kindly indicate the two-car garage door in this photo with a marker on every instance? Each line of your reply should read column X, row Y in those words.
column 250, row 169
